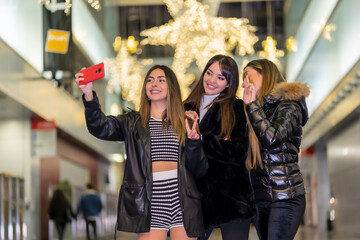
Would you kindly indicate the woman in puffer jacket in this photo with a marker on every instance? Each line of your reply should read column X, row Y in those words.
column 276, row 112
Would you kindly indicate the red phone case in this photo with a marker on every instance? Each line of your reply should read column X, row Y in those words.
column 93, row 73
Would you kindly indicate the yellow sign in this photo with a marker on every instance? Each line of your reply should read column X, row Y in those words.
column 57, row 41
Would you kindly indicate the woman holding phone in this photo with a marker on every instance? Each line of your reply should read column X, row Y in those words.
column 164, row 156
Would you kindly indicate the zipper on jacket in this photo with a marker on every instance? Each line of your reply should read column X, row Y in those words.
column 179, row 181
column 150, row 177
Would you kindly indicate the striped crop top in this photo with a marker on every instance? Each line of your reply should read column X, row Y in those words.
column 164, row 142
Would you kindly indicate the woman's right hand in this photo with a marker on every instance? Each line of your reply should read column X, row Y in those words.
column 86, row 88
column 192, row 132
column 192, row 115
column 249, row 94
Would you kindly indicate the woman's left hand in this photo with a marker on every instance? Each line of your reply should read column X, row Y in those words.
column 192, row 132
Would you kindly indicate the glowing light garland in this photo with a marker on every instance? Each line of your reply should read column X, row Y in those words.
column 126, row 74
column 53, row 5
column 291, row 44
column 197, row 34
column 270, row 52
column 328, row 29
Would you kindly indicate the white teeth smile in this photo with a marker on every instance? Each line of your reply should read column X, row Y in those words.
column 154, row 91
column 211, row 86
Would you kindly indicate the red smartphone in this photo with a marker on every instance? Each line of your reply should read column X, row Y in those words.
column 93, row 73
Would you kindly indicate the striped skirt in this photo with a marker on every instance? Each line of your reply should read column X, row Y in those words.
column 165, row 203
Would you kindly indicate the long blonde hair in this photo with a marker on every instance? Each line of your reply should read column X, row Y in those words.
column 174, row 113
column 271, row 76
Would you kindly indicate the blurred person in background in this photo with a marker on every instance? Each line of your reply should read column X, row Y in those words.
column 90, row 206
column 60, row 211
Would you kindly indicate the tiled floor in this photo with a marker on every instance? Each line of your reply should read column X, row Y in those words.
column 304, row 233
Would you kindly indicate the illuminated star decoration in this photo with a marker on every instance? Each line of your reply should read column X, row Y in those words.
column 270, row 52
column 126, row 73
column 291, row 44
column 198, row 34
column 328, row 29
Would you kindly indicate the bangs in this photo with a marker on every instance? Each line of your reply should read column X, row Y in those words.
column 226, row 72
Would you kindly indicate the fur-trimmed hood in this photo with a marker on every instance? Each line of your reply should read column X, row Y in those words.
column 290, row 91
column 295, row 91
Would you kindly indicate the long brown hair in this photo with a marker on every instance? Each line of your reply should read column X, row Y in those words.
column 174, row 112
column 230, row 71
column 271, row 76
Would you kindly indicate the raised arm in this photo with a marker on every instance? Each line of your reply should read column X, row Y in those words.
column 285, row 120
column 99, row 125
column 102, row 126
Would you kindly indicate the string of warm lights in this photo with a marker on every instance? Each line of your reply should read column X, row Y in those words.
column 328, row 29
column 53, row 5
column 195, row 32
column 270, row 51
column 197, row 35
column 95, row 4
column 126, row 71
column 291, row 44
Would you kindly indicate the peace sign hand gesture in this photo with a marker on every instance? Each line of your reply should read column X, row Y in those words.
column 192, row 133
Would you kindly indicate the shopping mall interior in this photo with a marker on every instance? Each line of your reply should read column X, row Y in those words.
column 44, row 141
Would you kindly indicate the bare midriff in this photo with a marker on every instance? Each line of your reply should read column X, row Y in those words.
column 164, row 166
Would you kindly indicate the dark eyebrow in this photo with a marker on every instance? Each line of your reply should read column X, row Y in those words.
column 218, row 74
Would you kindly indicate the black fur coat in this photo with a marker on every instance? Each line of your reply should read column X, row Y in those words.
column 226, row 188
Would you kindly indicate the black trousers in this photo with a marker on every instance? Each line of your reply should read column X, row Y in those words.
column 93, row 224
column 231, row 231
column 60, row 227
column 281, row 219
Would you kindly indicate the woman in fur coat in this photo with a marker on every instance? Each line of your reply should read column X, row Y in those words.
column 228, row 200
column 276, row 112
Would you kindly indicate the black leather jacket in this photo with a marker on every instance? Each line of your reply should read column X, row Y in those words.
column 134, row 205
column 226, row 188
column 278, row 126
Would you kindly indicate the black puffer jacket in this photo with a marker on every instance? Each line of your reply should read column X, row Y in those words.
column 134, row 206
column 226, row 188
column 278, row 126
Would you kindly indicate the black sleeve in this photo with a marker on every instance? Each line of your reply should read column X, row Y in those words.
column 69, row 208
column 234, row 150
column 196, row 160
column 102, row 126
column 287, row 118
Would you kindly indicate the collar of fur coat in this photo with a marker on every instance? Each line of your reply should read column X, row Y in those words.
column 290, row 91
